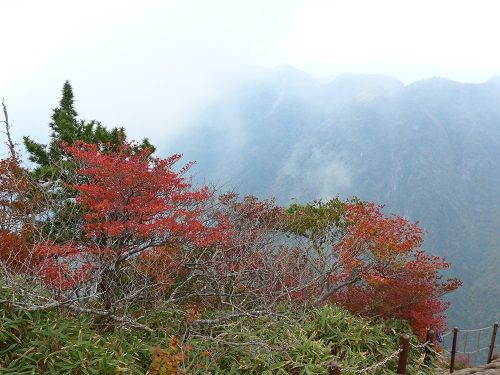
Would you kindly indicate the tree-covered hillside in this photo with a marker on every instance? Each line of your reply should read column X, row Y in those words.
column 429, row 150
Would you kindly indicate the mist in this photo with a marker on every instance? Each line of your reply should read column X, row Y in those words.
column 153, row 67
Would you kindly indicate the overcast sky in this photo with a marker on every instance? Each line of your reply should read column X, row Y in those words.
column 151, row 65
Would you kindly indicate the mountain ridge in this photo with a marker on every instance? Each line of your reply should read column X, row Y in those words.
column 428, row 150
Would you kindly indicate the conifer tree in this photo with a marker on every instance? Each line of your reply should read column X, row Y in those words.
column 59, row 169
column 67, row 128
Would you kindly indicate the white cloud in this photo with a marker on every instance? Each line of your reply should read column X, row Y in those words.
column 414, row 39
column 151, row 65
column 313, row 173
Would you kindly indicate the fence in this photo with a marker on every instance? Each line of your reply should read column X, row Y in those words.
column 452, row 353
column 429, row 347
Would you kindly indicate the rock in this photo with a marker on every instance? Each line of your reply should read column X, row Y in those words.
column 492, row 368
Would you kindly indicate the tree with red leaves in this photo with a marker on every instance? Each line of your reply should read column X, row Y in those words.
column 373, row 264
column 136, row 204
column 397, row 279
column 18, row 197
column 133, row 204
column 13, row 207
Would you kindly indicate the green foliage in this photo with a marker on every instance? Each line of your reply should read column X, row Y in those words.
column 55, row 342
column 304, row 345
column 65, row 126
column 359, row 343
column 318, row 220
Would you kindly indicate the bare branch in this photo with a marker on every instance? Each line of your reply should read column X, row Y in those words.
column 9, row 142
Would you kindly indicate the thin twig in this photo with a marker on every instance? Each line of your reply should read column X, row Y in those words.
column 9, row 143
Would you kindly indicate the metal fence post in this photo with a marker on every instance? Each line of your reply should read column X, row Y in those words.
column 453, row 350
column 492, row 343
column 403, row 355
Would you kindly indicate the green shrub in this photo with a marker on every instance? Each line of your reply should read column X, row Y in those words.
column 50, row 342
column 303, row 345
column 55, row 342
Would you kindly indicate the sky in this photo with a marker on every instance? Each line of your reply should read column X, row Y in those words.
column 152, row 66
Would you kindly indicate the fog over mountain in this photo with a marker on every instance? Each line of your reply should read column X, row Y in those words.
column 429, row 150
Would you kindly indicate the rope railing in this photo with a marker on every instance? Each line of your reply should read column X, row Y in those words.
column 475, row 351
column 446, row 334
column 472, row 343
column 474, row 330
column 429, row 347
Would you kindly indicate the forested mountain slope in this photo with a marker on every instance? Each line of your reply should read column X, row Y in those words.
column 429, row 150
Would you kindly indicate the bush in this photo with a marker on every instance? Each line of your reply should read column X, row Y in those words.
column 50, row 342
column 303, row 345
column 55, row 342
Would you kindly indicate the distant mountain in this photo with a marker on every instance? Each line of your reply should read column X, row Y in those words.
column 429, row 150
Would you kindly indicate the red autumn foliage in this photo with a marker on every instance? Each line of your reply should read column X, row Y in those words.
column 164, row 264
column 136, row 197
column 397, row 279
column 13, row 252
column 134, row 204
column 373, row 266
column 19, row 203
column 14, row 207
column 62, row 267
column 169, row 361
